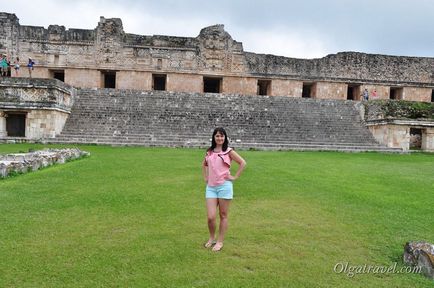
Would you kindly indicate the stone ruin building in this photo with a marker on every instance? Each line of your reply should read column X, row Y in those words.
column 110, row 87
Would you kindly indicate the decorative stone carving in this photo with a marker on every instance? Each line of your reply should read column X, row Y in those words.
column 110, row 36
column 216, row 49
column 420, row 254
column 56, row 32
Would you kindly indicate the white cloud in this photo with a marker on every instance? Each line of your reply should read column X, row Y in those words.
column 299, row 28
column 284, row 43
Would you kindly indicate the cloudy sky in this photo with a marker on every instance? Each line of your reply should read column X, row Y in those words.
column 292, row 28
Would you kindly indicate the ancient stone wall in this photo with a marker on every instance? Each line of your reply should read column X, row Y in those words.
column 31, row 93
column 348, row 67
column 396, row 133
column 9, row 34
column 394, row 136
column 417, row 94
column 85, row 55
column 42, row 124
column 46, row 104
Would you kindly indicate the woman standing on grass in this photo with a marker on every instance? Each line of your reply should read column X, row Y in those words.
column 219, row 190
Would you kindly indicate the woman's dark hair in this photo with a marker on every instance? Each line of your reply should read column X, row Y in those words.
column 213, row 144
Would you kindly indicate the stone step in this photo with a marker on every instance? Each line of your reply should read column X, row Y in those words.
column 206, row 137
column 243, row 146
column 115, row 117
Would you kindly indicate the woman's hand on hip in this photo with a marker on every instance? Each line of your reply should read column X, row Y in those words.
column 231, row 178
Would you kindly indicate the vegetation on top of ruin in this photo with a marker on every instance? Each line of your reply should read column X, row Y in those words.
column 400, row 109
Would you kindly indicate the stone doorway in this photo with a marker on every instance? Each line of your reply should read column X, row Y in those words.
column 58, row 74
column 212, row 85
column 307, row 90
column 416, row 135
column 396, row 93
column 159, row 82
column 264, row 87
column 16, row 124
column 353, row 92
column 109, row 79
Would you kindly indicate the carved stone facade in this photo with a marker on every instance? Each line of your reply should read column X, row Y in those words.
column 34, row 108
column 109, row 57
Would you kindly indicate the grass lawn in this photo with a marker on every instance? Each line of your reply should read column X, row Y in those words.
column 135, row 217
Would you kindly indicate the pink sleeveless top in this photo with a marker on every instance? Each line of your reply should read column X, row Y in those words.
column 218, row 166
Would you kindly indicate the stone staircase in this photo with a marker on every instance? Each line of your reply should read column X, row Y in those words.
column 173, row 119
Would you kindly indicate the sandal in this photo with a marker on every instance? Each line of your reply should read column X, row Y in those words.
column 209, row 243
column 217, row 247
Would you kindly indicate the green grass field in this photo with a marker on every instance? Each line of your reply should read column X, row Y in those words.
column 136, row 217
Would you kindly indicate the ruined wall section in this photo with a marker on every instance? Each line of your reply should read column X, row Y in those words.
column 271, row 65
column 108, row 47
column 9, row 24
column 212, row 53
column 46, row 103
column 347, row 66
column 27, row 93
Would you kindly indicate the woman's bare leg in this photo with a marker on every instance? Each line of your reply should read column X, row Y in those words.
column 224, row 211
column 211, row 207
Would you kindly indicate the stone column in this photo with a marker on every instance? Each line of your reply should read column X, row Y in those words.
column 428, row 140
column 3, row 132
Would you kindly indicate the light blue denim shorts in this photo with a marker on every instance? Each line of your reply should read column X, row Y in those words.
column 224, row 191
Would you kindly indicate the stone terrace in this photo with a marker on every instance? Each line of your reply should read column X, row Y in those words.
column 160, row 118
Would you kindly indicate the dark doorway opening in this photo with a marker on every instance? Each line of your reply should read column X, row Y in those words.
column 159, row 82
column 307, row 90
column 432, row 96
column 415, row 138
column 16, row 124
column 353, row 92
column 350, row 93
column 212, row 85
column 395, row 93
column 109, row 79
column 59, row 75
column 264, row 87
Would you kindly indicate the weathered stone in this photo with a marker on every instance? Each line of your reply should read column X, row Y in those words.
column 160, row 118
column 25, row 162
column 46, row 102
column 84, row 56
column 107, row 56
column 420, row 254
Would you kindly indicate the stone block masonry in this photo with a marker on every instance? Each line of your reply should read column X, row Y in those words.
column 25, row 162
column 176, row 119
column 43, row 104
column 108, row 57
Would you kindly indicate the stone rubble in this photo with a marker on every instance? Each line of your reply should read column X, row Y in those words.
column 32, row 161
column 420, row 254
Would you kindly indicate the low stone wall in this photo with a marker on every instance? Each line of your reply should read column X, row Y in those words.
column 391, row 121
column 25, row 162
column 395, row 133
